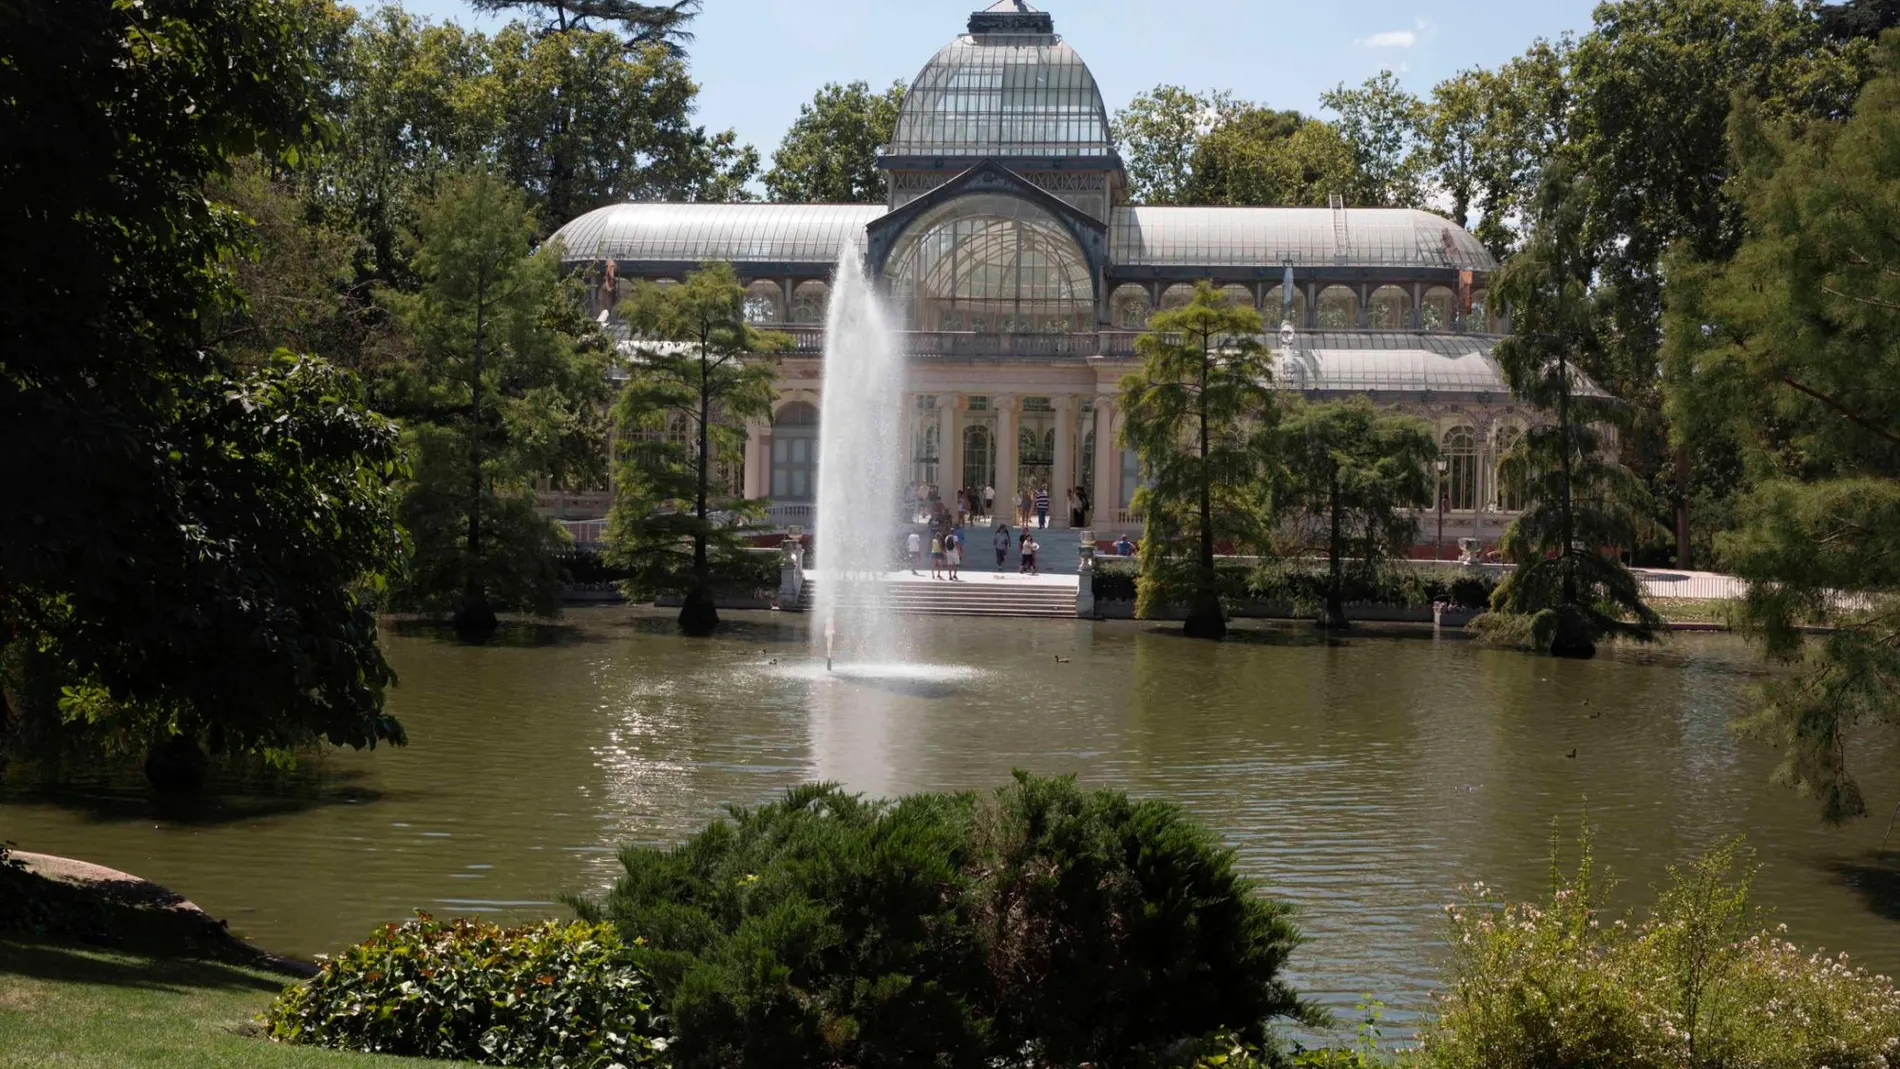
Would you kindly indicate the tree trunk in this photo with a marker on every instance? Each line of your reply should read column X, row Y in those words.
column 1569, row 521
column 1335, row 574
column 699, row 617
column 1685, row 551
column 1206, row 618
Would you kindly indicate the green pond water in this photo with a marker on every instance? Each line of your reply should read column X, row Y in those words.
column 1363, row 779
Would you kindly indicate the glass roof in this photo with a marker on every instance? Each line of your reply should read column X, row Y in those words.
column 1357, row 361
column 1256, row 237
column 1004, row 95
column 697, row 233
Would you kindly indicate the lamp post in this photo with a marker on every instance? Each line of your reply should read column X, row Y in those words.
column 1443, row 466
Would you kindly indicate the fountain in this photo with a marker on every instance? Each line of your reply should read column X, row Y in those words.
column 861, row 452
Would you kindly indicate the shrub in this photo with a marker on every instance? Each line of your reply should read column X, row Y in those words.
column 1039, row 922
column 568, row 995
column 1688, row 987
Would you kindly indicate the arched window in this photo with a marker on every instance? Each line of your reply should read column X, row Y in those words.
column 991, row 263
column 1086, row 469
column 763, row 302
column 1510, row 493
column 808, row 302
column 1238, row 296
column 1435, row 308
column 1131, row 477
column 1391, row 309
column 795, row 453
column 1130, row 308
column 924, row 468
column 1275, row 311
column 1460, row 449
column 1477, row 321
column 1338, row 308
column 1179, row 295
column 977, row 467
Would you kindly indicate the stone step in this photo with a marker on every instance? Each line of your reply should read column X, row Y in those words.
column 971, row 599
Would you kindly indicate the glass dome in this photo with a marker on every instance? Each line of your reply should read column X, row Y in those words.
column 991, row 264
column 1004, row 94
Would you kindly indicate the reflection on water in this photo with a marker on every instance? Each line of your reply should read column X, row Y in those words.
column 1364, row 779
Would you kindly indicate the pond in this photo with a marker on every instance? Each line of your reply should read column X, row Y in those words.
column 1363, row 779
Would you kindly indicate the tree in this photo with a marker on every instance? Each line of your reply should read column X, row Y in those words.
column 1158, row 132
column 502, row 384
column 1381, row 123
column 1356, row 471
column 1654, row 84
column 1199, row 416
column 1788, row 350
column 1264, row 157
column 829, row 156
column 1566, row 592
column 696, row 380
column 189, row 540
column 644, row 24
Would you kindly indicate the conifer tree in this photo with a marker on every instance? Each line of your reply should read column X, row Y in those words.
column 1199, row 415
column 696, row 379
column 1568, row 590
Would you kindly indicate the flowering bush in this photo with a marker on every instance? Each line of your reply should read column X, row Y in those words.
column 1694, row 985
column 566, row 995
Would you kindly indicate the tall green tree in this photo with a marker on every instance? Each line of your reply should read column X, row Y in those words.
column 188, row 539
column 1263, row 157
column 1654, row 84
column 667, row 25
column 1158, row 132
column 1567, row 591
column 829, row 156
column 503, row 383
column 1199, row 415
column 1382, row 123
column 1788, row 349
column 1355, row 475
column 700, row 373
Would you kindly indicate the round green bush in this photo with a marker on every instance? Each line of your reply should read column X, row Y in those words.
column 568, row 995
column 1039, row 924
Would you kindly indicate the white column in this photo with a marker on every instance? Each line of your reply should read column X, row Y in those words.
column 1005, row 409
column 1108, row 485
column 1063, row 477
column 758, row 462
column 949, row 451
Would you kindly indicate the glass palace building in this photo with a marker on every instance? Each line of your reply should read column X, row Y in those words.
column 1021, row 276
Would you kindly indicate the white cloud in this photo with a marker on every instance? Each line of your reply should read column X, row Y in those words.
column 1390, row 39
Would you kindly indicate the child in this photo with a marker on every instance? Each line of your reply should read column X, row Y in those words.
column 936, row 556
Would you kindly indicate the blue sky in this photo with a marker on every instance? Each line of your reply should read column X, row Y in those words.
column 758, row 60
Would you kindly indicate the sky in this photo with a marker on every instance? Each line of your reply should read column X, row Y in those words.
column 758, row 60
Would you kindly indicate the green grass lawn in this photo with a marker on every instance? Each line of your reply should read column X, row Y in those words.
column 89, row 1009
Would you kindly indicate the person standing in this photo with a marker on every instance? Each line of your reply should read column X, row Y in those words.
column 936, row 555
column 1042, row 506
column 953, row 553
column 1022, row 552
column 1030, row 548
column 1088, row 507
column 989, row 501
column 914, row 548
column 1075, row 508
column 1002, row 545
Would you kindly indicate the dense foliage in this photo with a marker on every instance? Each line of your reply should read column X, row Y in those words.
column 1354, row 477
column 1200, row 412
column 1694, row 984
column 1036, row 924
column 829, row 156
column 1788, row 350
column 1580, row 506
column 189, row 537
column 568, row 995
column 501, row 382
column 699, row 375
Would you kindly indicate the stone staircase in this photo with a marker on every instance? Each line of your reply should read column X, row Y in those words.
column 979, row 594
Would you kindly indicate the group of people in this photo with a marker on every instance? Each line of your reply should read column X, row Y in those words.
column 947, row 549
column 1032, row 507
column 926, row 503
